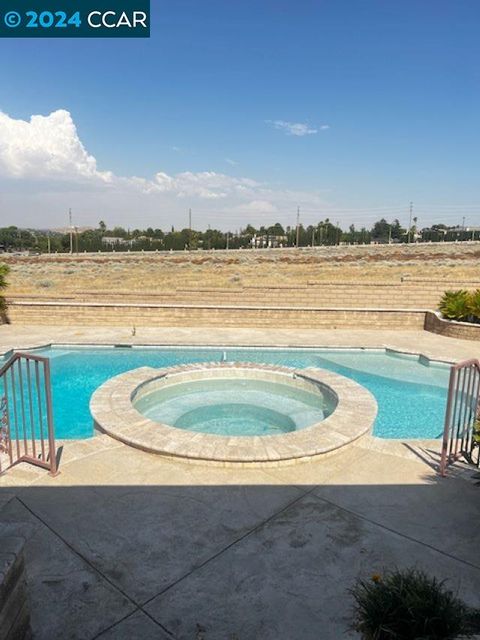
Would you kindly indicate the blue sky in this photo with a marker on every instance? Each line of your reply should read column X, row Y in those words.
column 389, row 92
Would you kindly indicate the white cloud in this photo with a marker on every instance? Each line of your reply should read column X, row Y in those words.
column 45, row 168
column 258, row 206
column 298, row 129
column 231, row 162
column 207, row 185
column 45, row 146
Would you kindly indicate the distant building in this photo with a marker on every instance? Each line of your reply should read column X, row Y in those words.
column 268, row 241
column 115, row 241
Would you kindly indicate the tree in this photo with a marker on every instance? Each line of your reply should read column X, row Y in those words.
column 381, row 229
column 102, row 226
column 276, row 230
column 3, row 285
column 119, row 232
column 397, row 230
column 249, row 230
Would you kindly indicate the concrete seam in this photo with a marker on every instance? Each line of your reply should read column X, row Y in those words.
column 231, row 544
column 95, row 569
column 397, row 533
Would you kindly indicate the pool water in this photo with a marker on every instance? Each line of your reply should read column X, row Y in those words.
column 410, row 392
column 234, row 407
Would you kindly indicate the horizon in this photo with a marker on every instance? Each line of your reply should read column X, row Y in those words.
column 244, row 113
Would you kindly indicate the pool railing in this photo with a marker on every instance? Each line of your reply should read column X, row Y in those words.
column 26, row 416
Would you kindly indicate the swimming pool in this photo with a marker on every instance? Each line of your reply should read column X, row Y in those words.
column 410, row 391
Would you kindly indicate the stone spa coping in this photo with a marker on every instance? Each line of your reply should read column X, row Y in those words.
column 114, row 413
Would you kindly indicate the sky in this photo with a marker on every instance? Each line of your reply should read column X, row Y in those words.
column 244, row 111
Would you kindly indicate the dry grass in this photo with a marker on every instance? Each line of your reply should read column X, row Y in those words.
column 61, row 275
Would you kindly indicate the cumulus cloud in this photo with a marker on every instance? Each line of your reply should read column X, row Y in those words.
column 298, row 129
column 45, row 146
column 207, row 185
column 44, row 167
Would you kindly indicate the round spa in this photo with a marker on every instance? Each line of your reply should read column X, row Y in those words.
column 235, row 402
column 234, row 412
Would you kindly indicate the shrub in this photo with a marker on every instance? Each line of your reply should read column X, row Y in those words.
column 3, row 285
column 475, row 305
column 455, row 305
column 409, row 605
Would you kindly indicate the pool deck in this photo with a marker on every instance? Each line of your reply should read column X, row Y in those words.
column 430, row 344
column 124, row 544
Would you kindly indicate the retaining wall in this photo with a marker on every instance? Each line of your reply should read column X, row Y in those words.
column 155, row 315
column 450, row 328
column 424, row 294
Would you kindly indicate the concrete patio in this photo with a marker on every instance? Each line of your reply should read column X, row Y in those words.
column 124, row 544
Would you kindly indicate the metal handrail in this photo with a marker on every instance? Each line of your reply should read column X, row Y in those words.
column 26, row 415
column 461, row 414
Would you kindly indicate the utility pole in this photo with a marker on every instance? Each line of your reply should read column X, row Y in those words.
column 410, row 223
column 71, row 229
column 389, row 234
column 228, row 239
column 298, row 227
column 48, row 241
column 313, row 236
column 338, row 232
column 76, row 240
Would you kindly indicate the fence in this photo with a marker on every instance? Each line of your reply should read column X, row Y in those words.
column 462, row 416
column 26, row 420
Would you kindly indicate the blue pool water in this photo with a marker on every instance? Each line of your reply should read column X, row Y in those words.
column 411, row 395
column 234, row 406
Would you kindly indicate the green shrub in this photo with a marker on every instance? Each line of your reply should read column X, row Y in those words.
column 409, row 605
column 455, row 305
column 3, row 285
column 475, row 305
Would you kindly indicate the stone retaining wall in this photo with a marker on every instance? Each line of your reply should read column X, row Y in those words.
column 450, row 328
column 154, row 315
column 14, row 612
column 386, row 295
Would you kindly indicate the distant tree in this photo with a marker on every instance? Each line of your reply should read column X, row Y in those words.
column 119, row 232
column 381, row 229
column 249, row 230
column 3, row 285
column 102, row 226
column 276, row 230
column 397, row 230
